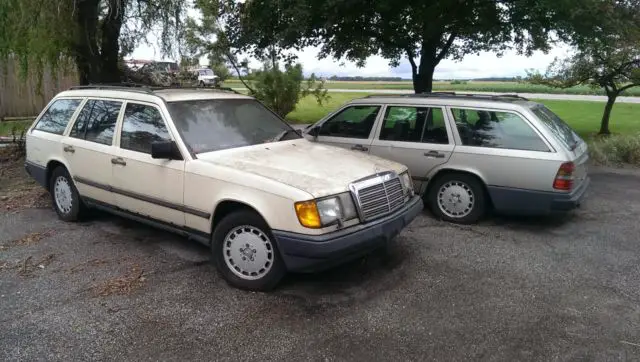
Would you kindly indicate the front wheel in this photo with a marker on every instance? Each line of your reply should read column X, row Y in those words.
column 458, row 198
column 245, row 252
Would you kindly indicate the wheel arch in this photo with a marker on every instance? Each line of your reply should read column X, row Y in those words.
column 227, row 206
column 447, row 171
column 52, row 165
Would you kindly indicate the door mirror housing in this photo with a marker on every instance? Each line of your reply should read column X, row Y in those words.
column 165, row 150
column 314, row 131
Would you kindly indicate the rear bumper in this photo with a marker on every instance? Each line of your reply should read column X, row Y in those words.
column 570, row 201
column 307, row 253
column 38, row 173
column 530, row 202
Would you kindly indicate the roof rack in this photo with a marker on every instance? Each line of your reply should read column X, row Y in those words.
column 134, row 87
column 144, row 88
column 449, row 95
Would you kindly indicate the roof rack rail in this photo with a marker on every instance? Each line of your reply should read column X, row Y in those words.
column 135, row 87
column 449, row 95
column 198, row 88
column 144, row 88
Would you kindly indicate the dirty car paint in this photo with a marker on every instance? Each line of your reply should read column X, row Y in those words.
column 320, row 170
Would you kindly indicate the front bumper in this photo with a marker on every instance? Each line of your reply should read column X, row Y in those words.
column 309, row 253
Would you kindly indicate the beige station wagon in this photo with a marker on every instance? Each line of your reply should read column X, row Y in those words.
column 222, row 169
column 468, row 153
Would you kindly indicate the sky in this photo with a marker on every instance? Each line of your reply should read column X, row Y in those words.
column 484, row 65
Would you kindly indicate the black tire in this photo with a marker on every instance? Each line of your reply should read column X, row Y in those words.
column 233, row 223
column 77, row 209
column 473, row 191
column 201, row 84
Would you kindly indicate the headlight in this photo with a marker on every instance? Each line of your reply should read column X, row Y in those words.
column 407, row 183
column 327, row 211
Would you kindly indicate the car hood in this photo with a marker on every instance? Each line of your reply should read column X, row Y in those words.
column 318, row 169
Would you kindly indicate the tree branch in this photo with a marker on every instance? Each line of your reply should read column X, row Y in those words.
column 233, row 64
column 446, row 47
column 622, row 89
column 410, row 55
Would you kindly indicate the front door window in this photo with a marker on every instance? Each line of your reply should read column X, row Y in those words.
column 352, row 122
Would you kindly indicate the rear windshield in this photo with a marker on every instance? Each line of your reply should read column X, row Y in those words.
column 557, row 126
column 217, row 124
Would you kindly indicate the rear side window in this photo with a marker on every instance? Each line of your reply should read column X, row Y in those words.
column 142, row 125
column 555, row 124
column 493, row 129
column 97, row 121
column 56, row 118
column 414, row 124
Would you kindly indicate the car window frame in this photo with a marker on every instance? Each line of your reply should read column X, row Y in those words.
column 445, row 116
column 121, row 126
column 72, row 119
column 372, row 132
column 117, row 125
column 523, row 116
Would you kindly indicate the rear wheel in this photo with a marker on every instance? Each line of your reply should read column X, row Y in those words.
column 245, row 252
column 457, row 197
column 64, row 195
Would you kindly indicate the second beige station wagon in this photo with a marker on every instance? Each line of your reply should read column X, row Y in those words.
column 468, row 153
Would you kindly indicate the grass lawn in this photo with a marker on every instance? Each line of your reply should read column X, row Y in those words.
column 471, row 86
column 583, row 116
column 6, row 127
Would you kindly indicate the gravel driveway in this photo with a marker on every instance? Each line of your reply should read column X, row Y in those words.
column 508, row 289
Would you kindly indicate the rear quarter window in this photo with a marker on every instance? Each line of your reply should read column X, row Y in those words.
column 56, row 118
column 496, row 129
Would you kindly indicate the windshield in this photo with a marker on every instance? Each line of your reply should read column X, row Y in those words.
column 206, row 72
column 556, row 125
column 218, row 124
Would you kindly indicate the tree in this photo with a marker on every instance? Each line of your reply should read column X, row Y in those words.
column 281, row 90
column 218, row 63
column 606, row 56
column 94, row 33
column 425, row 32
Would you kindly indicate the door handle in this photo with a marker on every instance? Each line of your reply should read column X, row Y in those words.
column 434, row 154
column 359, row 148
column 118, row 161
column 69, row 149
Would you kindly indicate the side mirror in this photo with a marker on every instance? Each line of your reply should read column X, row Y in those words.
column 314, row 131
column 165, row 149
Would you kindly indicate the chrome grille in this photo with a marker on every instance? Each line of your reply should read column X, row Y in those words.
column 378, row 195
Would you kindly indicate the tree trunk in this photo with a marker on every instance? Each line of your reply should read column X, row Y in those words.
column 604, row 124
column 87, row 55
column 112, row 23
column 423, row 76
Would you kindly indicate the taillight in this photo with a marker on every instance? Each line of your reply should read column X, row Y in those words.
column 564, row 177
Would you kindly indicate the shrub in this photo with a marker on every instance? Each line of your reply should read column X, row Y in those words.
column 615, row 149
column 282, row 90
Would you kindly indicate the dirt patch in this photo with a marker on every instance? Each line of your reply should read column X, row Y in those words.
column 87, row 264
column 33, row 238
column 29, row 266
column 17, row 190
column 122, row 285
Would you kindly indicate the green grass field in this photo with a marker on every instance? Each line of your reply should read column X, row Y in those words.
column 471, row 86
column 7, row 127
column 583, row 116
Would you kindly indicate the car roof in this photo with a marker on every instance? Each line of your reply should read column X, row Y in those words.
column 505, row 101
column 150, row 94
